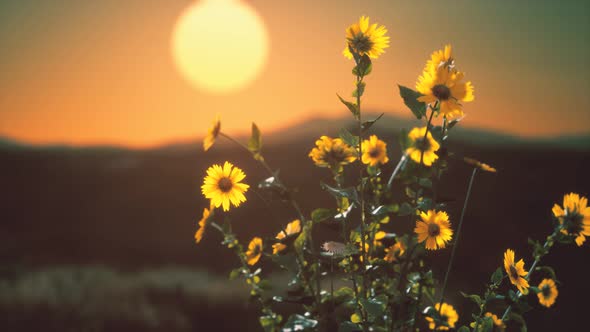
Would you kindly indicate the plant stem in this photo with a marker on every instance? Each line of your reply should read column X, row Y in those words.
column 452, row 259
column 398, row 167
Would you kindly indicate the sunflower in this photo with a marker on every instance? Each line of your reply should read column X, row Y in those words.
column 367, row 39
column 222, row 185
column 374, row 151
column 434, row 228
column 444, row 85
column 440, row 58
column 497, row 321
column 422, row 149
column 212, row 135
column 448, row 317
column 394, row 252
column 254, row 251
column 203, row 224
column 332, row 152
column 574, row 217
column 292, row 228
column 515, row 272
column 547, row 292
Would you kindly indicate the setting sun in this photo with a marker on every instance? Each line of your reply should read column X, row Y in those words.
column 219, row 46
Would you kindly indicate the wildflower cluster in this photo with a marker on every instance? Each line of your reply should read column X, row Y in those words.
column 384, row 282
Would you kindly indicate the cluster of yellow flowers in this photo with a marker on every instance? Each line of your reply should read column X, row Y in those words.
column 442, row 90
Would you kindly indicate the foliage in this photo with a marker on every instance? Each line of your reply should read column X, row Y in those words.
column 385, row 283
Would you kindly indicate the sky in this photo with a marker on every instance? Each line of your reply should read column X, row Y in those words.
column 102, row 72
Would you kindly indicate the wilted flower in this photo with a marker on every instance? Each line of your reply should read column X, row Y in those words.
column 202, row 225
column 212, row 135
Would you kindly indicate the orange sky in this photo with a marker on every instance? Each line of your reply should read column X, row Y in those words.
column 101, row 72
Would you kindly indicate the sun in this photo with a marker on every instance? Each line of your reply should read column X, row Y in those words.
column 219, row 45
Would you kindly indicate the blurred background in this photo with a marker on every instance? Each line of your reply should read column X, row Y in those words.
column 103, row 106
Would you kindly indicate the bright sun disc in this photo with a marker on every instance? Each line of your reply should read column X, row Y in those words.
column 219, row 45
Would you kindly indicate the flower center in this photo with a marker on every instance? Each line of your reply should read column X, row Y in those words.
column 422, row 144
column 361, row 43
column 513, row 272
column 546, row 291
column 337, row 155
column 441, row 92
column 433, row 230
column 225, row 184
column 374, row 153
column 574, row 222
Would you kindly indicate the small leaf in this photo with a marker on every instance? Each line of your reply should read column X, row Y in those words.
column 411, row 100
column 358, row 92
column 463, row 329
column 368, row 124
column 487, row 324
column 405, row 209
column 299, row 323
column 454, row 123
column 497, row 276
column 235, row 273
column 319, row 215
column 363, row 67
column 352, row 107
column 255, row 142
column 375, row 306
column 473, row 297
column 349, row 192
column 348, row 138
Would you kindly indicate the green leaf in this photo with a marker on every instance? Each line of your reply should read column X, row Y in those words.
column 497, row 276
column 255, row 142
column 270, row 322
column 358, row 92
column 453, row 123
column 518, row 318
column 487, row 324
column 300, row 323
column 368, row 124
column 347, row 326
column 348, row 138
column 235, row 273
column 473, row 297
column 425, row 182
column 410, row 98
column 463, row 329
column 349, row 192
column 319, row 215
column 364, row 66
column 375, row 306
column 352, row 107
column 405, row 209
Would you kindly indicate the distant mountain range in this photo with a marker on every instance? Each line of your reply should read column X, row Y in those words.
column 314, row 127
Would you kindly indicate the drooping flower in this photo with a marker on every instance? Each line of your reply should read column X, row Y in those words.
column 445, row 86
column 222, row 185
column 515, row 272
column 480, row 165
column 254, row 251
column 448, row 317
column 202, row 225
column 497, row 321
column 574, row 217
column 212, row 134
column 374, row 151
column 365, row 38
column 292, row 228
column 332, row 152
column 421, row 148
column 394, row 252
column 547, row 292
column 434, row 228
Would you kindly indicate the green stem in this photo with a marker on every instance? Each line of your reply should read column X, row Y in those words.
column 398, row 167
column 452, row 259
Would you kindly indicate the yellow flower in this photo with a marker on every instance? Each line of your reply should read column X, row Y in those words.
column 574, row 217
column 332, row 152
column 444, row 85
column 395, row 251
column 547, row 292
column 254, row 251
column 292, row 228
column 448, row 317
column 515, row 272
column 440, row 58
column 374, row 151
column 202, row 225
column 222, row 185
column 434, row 228
column 497, row 321
column 365, row 38
column 212, row 135
column 418, row 145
